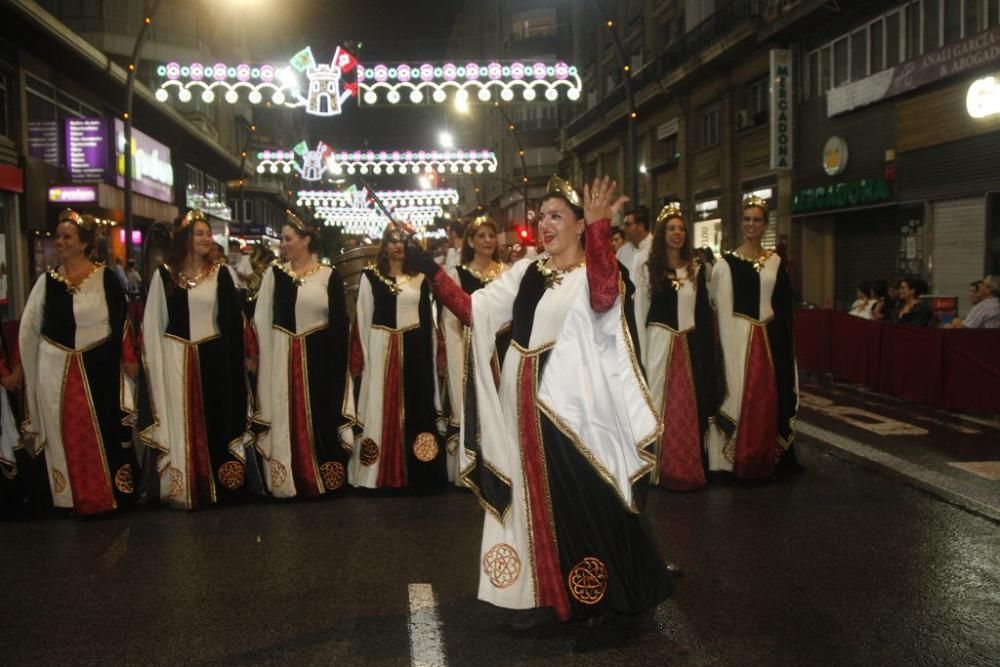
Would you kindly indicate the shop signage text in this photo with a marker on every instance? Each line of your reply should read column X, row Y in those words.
column 975, row 51
column 73, row 194
column 781, row 109
column 853, row 193
column 88, row 150
column 983, row 99
column 152, row 171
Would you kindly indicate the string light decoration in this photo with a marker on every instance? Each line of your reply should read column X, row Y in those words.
column 371, row 221
column 323, row 89
column 393, row 199
column 373, row 162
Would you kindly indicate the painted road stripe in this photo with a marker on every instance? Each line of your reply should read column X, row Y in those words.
column 426, row 649
column 970, row 497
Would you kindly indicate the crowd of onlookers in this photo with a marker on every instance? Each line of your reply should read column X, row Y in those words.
column 901, row 301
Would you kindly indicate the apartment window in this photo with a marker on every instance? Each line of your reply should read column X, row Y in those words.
column 710, row 117
column 859, row 55
column 971, row 16
column 913, row 28
column 825, row 69
column 665, row 150
column 876, row 33
column 932, row 24
column 534, row 23
column 993, row 13
column 4, row 108
column 841, row 51
column 893, row 38
column 952, row 21
column 758, row 97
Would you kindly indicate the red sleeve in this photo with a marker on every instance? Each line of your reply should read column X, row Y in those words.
column 250, row 347
column 4, row 368
column 602, row 266
column 130, row 354
column 357, row 361
column 455, row 299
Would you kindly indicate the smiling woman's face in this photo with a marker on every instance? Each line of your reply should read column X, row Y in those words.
column 558, row 226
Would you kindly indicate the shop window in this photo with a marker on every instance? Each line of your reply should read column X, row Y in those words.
column 893, row 38
column 932, row 25
column 952, row 21
column 710, row 117
column 859, row 55
column 841, row 56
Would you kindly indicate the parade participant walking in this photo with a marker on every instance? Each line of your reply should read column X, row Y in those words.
column 77, row 354
column 561, row 451
column 679, row 351
column 305, row 395
column 393, row 349
column 480, row 265
column 752, row 434
column 196, row 347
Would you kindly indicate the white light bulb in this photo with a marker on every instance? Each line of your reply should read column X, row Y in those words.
column 484, row 95
column 207, row 96
column 232, row 96
column 184, row 95
column 254, row 97
column 416, row 97
column 552, row 94
column 162, row 95
column 278, row 97
column 506, row 94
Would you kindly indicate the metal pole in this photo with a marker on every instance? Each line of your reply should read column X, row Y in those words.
column 127, row 118
column 520, row 151
column 625, row 68
column 249, row 128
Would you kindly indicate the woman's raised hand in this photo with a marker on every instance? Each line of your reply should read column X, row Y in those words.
column 599, row 201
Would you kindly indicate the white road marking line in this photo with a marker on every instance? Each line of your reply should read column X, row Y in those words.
column 986, row 469
column 426, row 648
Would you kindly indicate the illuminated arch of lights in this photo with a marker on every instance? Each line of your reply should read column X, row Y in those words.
column 378, row 162
column 323, row 89
column 392, row 199
column 372, row 221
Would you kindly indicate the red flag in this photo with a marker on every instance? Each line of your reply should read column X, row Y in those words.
column 344, row 60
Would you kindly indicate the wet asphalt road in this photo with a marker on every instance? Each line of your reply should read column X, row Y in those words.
column 838, row 566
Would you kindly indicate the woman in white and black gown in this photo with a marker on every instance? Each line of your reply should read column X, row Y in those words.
column 560, row 452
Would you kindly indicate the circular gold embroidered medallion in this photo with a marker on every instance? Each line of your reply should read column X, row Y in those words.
column 369, row 452
column 425, row 447
column 502, row 565
column 232, row 474
column 332, row 474
column 279, row 473
column 58, row 482
column 123, row 479
column 176, row 482
column 588, row 581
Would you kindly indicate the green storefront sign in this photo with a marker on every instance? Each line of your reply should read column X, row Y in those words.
column 840, row 195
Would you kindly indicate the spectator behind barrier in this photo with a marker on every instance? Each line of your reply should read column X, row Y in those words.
column 863, row 303
column 910, row 309
column 986, row 313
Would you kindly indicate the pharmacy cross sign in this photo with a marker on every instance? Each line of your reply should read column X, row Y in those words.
column 322, row 89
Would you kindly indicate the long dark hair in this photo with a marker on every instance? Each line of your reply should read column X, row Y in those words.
column 306, row 232
column 382, row 258
column 468, row 252
column 181, row 244
column 659, row 270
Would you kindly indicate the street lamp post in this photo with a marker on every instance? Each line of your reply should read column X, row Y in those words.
column 625, row 68
column 127, row 120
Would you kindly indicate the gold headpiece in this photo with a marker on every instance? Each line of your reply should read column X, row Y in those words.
column 558, row 186
column 84, row 221
column 295, row 221
column 672, row 210
column 481, row 220
column 194, row 215
column 752, row 201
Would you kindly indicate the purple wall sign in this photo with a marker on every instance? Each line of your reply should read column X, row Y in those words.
column 152, row 171
column 88, row 150
column 73, row 194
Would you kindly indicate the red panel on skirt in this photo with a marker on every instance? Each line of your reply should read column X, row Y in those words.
column 88, row 468
column 392, row 468
column 680, row 449
column 199, row 464
column 757, row 434
column 551, row 592
column 303, row 462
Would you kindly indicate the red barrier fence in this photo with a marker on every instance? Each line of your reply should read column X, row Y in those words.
column 954, row 369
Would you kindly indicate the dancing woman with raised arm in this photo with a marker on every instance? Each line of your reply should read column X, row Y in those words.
column 394, row 350
column 479, row 266
column 77, row 353
column 560, row 451
column 679, row 351
column 196, row 344
column 752, row 434
column 304, row 389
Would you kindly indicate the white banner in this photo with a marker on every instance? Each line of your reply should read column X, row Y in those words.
column 782, row 103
